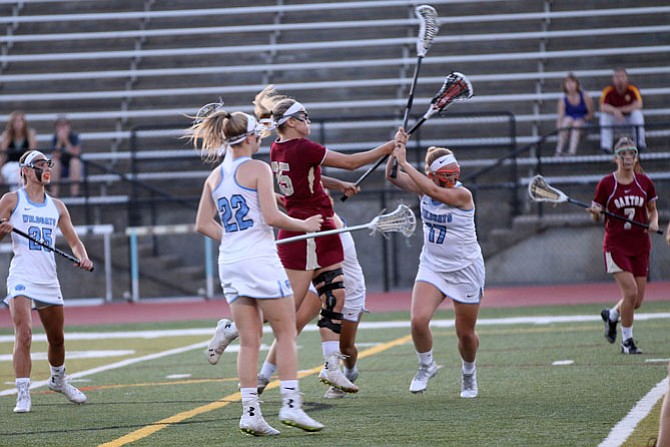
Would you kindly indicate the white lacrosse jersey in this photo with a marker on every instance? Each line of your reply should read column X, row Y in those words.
column 245, row 233
column 31, row 261
column 449, row 236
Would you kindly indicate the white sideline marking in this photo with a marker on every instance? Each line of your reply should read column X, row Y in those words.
column 623, row 429
column 178, row 376
column 563, row 362
column 539, row 320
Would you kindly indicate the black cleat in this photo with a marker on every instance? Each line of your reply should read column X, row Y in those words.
column 610, row 326
column 628, row 347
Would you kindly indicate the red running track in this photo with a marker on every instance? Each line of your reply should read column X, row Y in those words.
column 152, row 310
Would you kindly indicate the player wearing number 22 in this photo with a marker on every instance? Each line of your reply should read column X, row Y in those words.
column 628, row 193
column 32, row 276
column 239, row 191
column 296, row 163
column 451, row 263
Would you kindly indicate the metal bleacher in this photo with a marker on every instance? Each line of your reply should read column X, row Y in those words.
column 126, row 72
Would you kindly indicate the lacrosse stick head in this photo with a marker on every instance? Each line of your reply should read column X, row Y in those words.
column 428, row 28
column 456, row 87
column 540, row 191
column 401, row 220
column 207, row 110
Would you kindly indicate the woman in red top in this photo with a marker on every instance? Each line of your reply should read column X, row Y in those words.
column 629, row 193
column 296, row 162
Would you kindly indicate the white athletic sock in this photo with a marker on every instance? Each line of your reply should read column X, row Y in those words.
column 289, row 387
column 249, row 394
column 22, row 381
column 626, row 332
column 348, row 373
column 469, row 367
column 57, row 372
column 614, row 314
column 267, row 370
column 425, row 358
column 330, row 347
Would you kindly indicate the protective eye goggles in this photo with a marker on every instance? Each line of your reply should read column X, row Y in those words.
column 447, row 175
column 300, row 116
column 621, row 152
column 32, row 161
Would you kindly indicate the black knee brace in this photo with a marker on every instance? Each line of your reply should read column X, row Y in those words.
column 326, row 289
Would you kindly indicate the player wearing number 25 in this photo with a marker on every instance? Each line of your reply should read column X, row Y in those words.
column 32, row 278
column 629, row 193
column 451, row 263
column 296, row 163
column 240, row 192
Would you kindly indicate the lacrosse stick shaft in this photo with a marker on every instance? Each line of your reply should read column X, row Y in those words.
column 614, row 216
column 323, row 233
column 54, row 249
column 372, row 168
column 408, row 108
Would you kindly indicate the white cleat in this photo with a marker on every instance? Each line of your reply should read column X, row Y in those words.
column 469, row 385
column 422, row 376
column 23, row 403
column 332, row 375
column 261, row 383
column 62, row 386
column 224, row 334
column 291, row 414
column 334, row 393
column 252, row 422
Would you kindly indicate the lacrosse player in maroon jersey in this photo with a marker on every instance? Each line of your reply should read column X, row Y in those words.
column 629, row 193
column 296, row 162
column 240, row 194
column 451, row 263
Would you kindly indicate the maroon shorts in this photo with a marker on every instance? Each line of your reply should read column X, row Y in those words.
column 617, row 261
column 310, row 254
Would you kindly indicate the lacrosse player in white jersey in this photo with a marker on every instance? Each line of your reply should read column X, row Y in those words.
column 451, row 263
column 32, row 279
column 240, row 193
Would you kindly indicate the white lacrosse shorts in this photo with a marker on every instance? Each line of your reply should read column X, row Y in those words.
column 43, row 295
column 262, row 278
column 465, row 285
column 354, row 281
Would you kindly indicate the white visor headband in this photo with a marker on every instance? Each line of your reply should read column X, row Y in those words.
column 442, row 162
column 32, row 156
column 295, row 108
column 251, row 129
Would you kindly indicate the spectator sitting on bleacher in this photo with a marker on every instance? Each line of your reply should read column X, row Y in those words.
column 574, row 110
column 17, row 139
column 66, row 152
column 620, row 104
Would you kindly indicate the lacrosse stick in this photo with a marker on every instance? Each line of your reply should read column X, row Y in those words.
column 402, row 220
column 54, row 249
column 456, row 88
column 427, row 31
column 540, row 191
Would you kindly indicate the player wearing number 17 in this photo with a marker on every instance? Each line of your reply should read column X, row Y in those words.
column 451, row 263
column 32, row 278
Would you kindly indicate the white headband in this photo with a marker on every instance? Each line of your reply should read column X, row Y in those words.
column 251, row 128
column 31, row 156
column 442, row 162
column 295, row 108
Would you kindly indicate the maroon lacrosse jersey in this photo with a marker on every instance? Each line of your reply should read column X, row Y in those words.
column 610, row 96
column 297, row 167
column 629, row 201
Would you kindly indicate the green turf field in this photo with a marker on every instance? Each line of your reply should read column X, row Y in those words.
column 157, row 389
